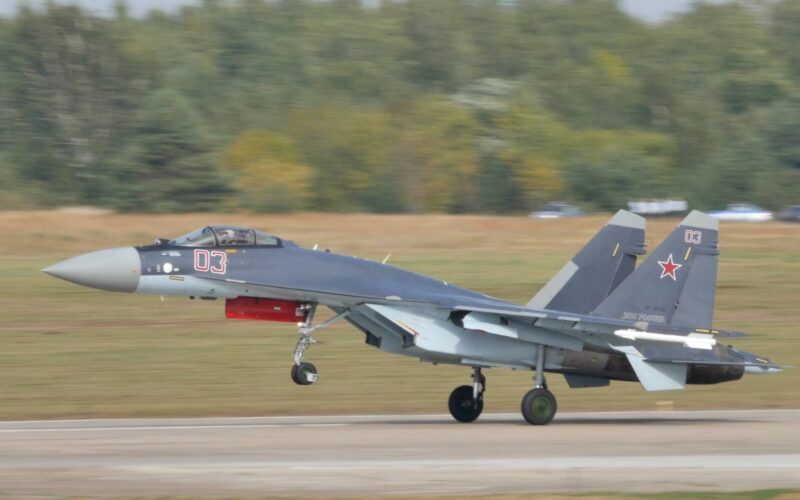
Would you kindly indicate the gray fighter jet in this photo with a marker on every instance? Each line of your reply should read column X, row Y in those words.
column 600, row 318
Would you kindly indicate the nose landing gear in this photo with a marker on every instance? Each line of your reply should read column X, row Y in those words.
column 304, row 373
column 466, row 402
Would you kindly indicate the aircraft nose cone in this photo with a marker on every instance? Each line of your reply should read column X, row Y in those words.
column 115, row 269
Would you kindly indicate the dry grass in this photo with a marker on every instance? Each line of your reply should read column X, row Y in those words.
column 68, row 351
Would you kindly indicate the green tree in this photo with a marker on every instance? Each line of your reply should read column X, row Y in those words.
column 608, row 168
column 732, row 174
column 782, row 132
column 785, row 31
column 609, row 180
column 266, row 173
column 438, row 50
column 166, row 165
column 530, row 142
column 347, row 147
column 69, row 96
column 452, row 106
column 435, row 155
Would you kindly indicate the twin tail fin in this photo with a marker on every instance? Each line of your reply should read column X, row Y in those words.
column 676, row 284
column 597, row 269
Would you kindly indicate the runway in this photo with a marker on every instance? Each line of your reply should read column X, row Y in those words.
column 402, row 455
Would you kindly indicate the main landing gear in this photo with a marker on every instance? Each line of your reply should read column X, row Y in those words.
column 303, row 372
column 466, row 402
column 539, row 404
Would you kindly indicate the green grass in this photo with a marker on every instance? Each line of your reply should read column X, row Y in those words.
column 71, row 352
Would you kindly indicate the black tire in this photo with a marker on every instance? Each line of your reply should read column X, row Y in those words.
column 539, row 406
column 300, row 373
column 463, row 407
column 295, row 379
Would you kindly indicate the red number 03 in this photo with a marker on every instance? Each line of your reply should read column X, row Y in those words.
column 214, row 261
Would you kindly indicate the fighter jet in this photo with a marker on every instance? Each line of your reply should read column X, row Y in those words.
column 600, row 318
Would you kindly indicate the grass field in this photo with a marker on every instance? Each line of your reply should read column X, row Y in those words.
column 70, row 352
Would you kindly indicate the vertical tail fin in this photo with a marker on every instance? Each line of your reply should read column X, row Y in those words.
column 597, row 269
column 676, row 283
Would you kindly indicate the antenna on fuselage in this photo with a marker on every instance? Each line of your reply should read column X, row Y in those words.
column 386, row 259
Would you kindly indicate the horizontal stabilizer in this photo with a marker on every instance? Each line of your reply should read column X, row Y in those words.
column 763, row 370
column 678, row 354
column 729, row 334
column 715, row 363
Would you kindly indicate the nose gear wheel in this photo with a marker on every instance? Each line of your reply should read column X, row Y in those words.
column 304, row 374
column 466, row 401
column 463, row 407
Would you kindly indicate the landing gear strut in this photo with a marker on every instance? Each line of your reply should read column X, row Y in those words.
column 304, row 373
column 539, row 405
column 466, row 402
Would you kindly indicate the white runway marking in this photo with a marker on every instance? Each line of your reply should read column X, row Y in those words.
column 791, row 461
column 187, row 427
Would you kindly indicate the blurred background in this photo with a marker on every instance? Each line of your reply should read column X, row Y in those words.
column 452, row 106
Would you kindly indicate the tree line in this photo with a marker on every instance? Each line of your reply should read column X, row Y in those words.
column 401, row 106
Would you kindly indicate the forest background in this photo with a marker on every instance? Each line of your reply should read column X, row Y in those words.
column 455, row 106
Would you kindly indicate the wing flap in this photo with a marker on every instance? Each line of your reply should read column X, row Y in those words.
column 494, row 324
column 566, row 323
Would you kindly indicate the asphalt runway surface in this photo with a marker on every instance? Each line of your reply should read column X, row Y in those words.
column 402, row 455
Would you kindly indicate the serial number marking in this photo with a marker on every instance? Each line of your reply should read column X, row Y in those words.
column 650, row 318
column 692, row 236
column 215, row 261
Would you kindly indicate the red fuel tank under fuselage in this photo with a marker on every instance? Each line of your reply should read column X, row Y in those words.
column 287, row 311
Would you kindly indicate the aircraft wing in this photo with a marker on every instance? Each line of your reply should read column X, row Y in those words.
column 660, row 355
column 718, row 357
column 567, row 322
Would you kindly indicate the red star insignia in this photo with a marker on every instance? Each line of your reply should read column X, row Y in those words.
column 668, row 268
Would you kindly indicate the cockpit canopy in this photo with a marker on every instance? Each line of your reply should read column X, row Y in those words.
column 211, row 236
